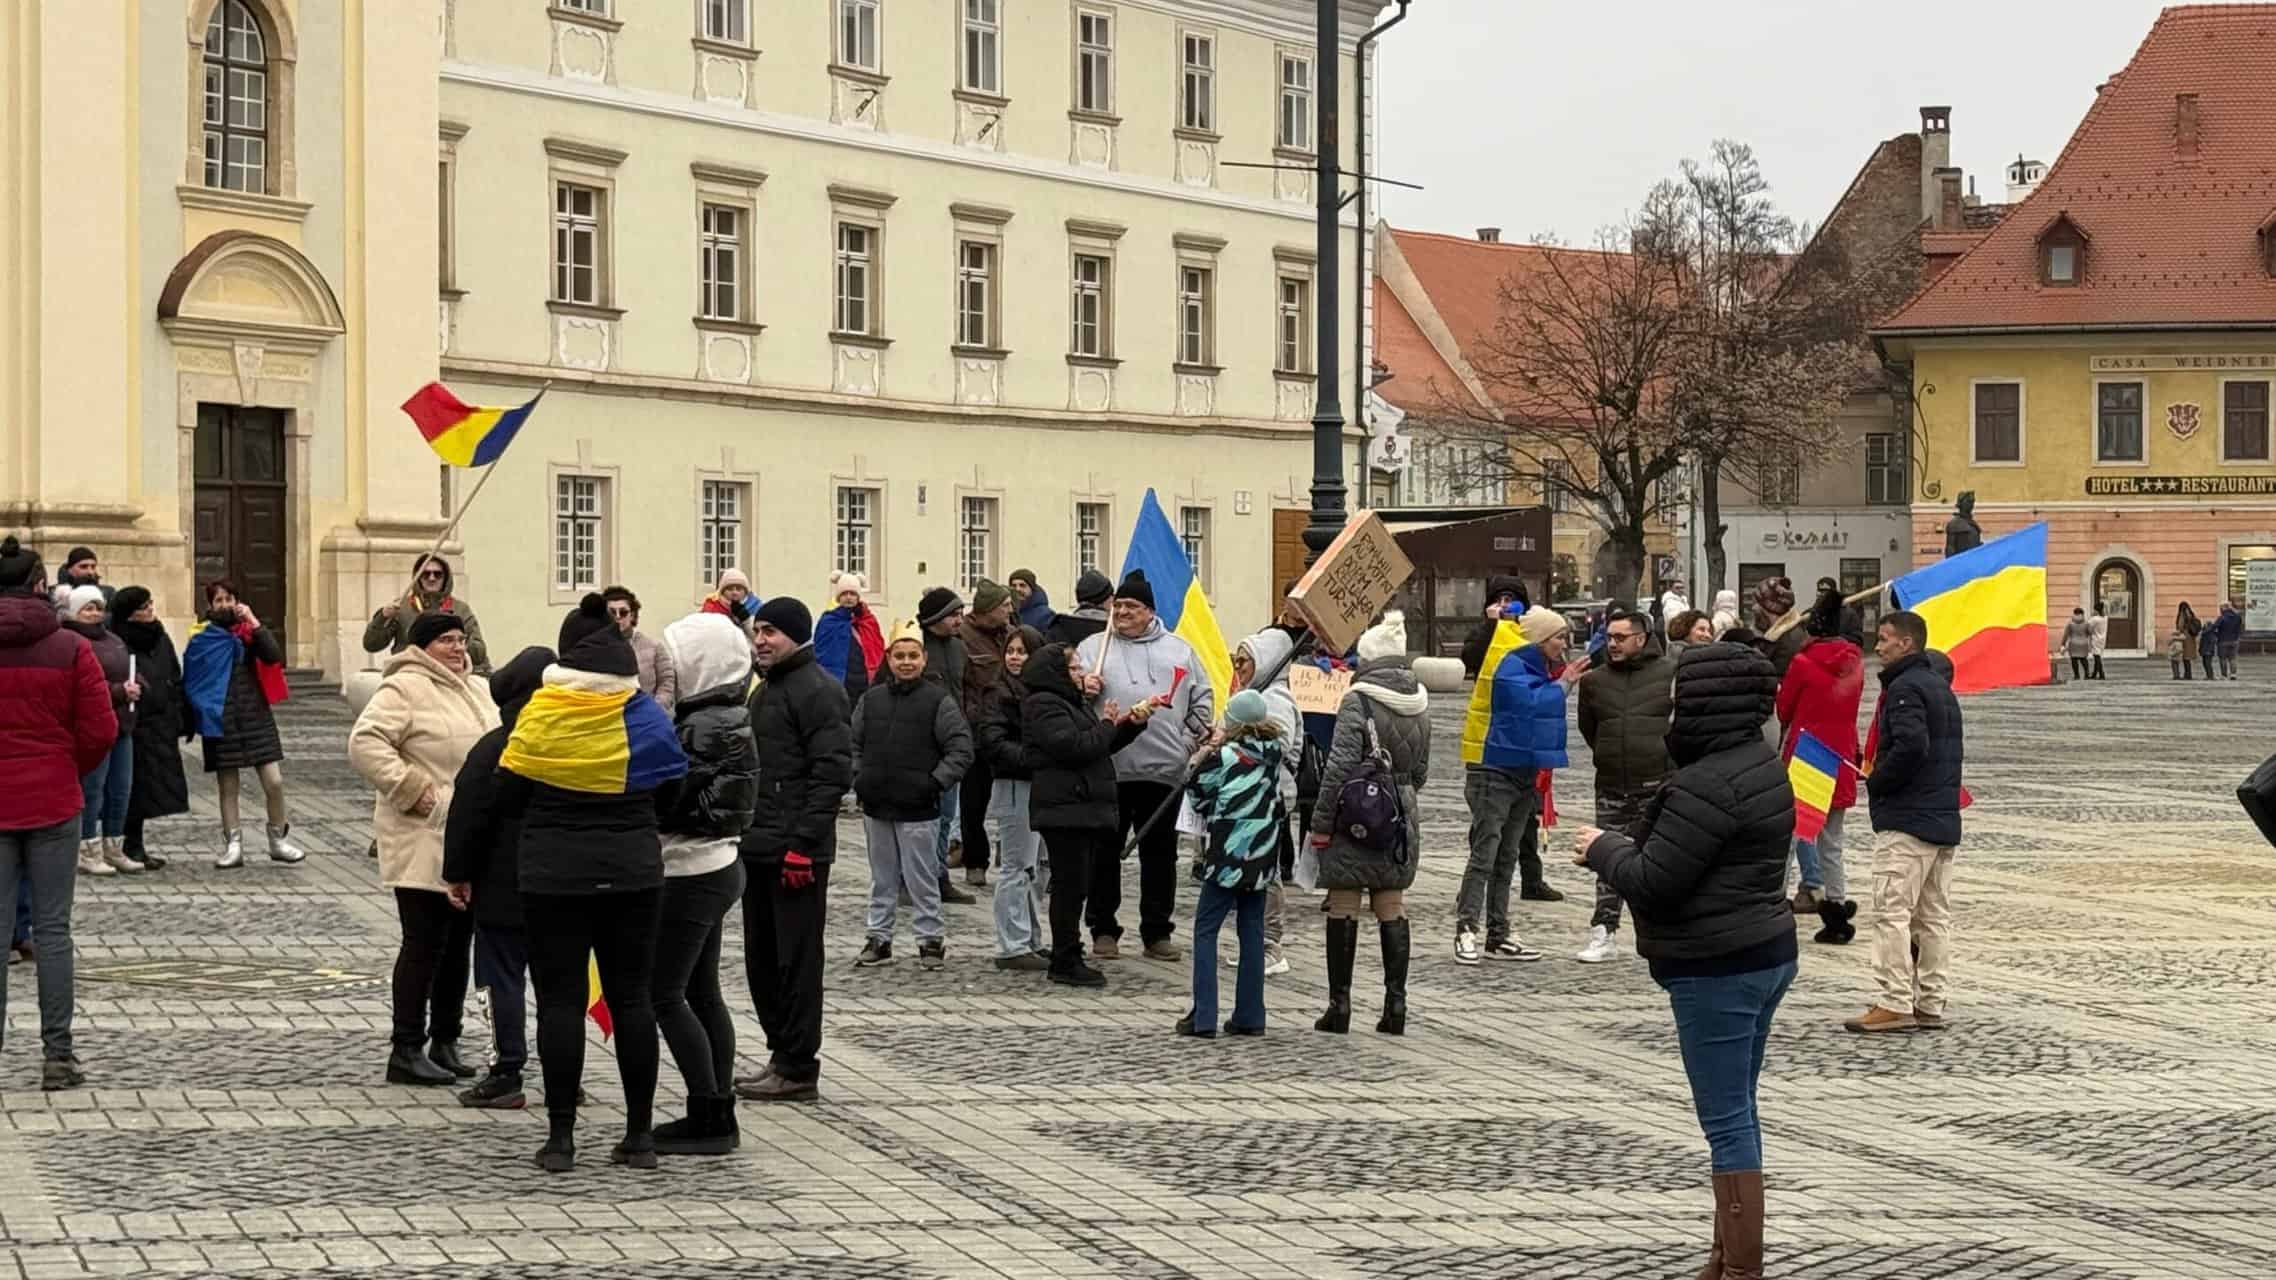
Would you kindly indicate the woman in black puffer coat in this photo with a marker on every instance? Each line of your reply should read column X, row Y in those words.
column 160, row 790
column 1707, row 886
column 1073, row 803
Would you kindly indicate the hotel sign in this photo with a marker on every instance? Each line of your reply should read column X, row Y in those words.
column 2181, row 362
column 2180, row 486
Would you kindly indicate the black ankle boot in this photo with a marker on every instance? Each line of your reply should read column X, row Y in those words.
column 406, row 1065
column 709, row 1129
column 559, row 1154
column 1343, row 947
column 1396, row 940
column 444, row 1054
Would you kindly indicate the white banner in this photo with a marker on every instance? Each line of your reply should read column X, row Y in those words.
column 2260, row 595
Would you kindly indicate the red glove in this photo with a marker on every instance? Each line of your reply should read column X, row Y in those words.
column 1319, row 842
column 797, row 871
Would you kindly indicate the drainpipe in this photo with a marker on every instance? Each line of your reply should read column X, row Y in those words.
column 1363, row 283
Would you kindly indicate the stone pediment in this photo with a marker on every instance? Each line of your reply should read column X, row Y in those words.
column 239, row 284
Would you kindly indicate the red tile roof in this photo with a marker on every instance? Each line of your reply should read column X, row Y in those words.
column 2172, row 236
column 1463, row 279
column 1419, row 379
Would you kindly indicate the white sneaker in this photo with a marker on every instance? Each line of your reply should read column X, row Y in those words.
column 282, row 849
column 1601, row 946
column 91, row 859
column 118, row 861
column 1275, row 964
column 1466, row 947
column 232, row 853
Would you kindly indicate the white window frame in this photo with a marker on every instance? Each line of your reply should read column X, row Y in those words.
column 1197, row 81
column 1099, row 540
column 977, row 262
column 1098, row 293
column 1294, row 102
column 868, row 530
column 1196, row 344
column 714, row 246
column 979, row 537
column 2022, row 421
column 716, row 529
column 2221, row 447
column 582, row 504
column 1779, row 483
column 235, row 83
column 980, row 47
column 1893, row 465
column 850, row 262
column 568, row 226
column 724, row 21
column 446, row 211
column 597, row 8
column 1557, row 478
column 2095, row 421
column 1096, row 55
column 858, row 34
column 1195, row 530
column 1296, row 312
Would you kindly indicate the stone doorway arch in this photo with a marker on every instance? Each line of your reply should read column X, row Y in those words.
column 2122, row 582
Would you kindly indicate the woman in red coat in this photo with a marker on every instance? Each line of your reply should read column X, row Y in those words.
column 1820, row 693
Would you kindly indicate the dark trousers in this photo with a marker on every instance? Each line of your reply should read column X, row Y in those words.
column 501, row 967
column 618, row 932
column 973, row 795
column 23, row 932
column 430, row 968
column 2080, row 668
column 131, row 843
column 2098, row 669
column 782, row 959
column 1617, row 811
column 1073, row 851
column 689, row 1010
column 1157, row 867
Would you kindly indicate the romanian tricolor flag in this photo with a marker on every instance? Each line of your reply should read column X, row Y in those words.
column 1813, row 770
column 209, row 659
column 598, row 741
column 465, row 435
column 1156, row 551
column 1986, row 610
column 1481, row 714
column 596, row 1007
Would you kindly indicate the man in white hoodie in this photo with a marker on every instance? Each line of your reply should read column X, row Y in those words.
column 1135, row 659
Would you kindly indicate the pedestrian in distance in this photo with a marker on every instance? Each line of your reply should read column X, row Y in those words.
column 1093, row 592
column 2099, row 624
column 1074, row 804
column 2177, row 651
column 159, row 790
column 106, row 788
column 2209, row 648
column 1001, row 737
column 987, row 629
column 1623, row 716
column 1820, row 695
column 1368, row 845
column 1236, row 791
column 911, row 747
column 658, row 678
column 433, row 590
column 1525, row 735
column 2230, row 629
column 1705, row 879
column 940, row 612
column 410, row 743
column 1262, row 663
column 800, row 720
column 1914, row 794
column 232, row 670
column 1505, row 599
column 731, row 598
column 847, row 639
column 1686, row 629
column 702, row 818
column 1031, row 604
column 56, row 726
column 2186, row 629
column 1724, row 617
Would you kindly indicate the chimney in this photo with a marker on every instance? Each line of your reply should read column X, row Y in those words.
column 1948, row 204
column 1489, row 235
column 1935, row 155
column 2185, row 125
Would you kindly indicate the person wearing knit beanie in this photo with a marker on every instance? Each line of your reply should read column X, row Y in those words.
column 1773, row 599
column 589, row 640
column 430, row 627
column 789, row 616
column 843, row 584
column 1093, row 588
column 19, row 565
column 988, row 596
column 1386, row 639
column 1539, row 623
column 938, row 606
column 1136, row 589
column 70, row 600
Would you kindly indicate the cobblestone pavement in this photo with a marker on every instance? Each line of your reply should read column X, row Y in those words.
column 2100, row 1109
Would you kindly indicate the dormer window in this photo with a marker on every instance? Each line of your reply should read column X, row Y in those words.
column 2267, row 236
column 2062, row 252
column 2062, row 264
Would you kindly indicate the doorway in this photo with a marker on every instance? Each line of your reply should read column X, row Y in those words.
column 238, row 530
column 2118, row 585
column 1288, row 552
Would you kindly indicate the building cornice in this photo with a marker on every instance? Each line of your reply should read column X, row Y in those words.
column 1288, row 21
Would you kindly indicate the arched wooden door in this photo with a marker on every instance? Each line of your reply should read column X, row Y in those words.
column 2118, row 586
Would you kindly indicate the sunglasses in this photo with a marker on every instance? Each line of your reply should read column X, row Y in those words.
column 436, row 574
column 620, row 613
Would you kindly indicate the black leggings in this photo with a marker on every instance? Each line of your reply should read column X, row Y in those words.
column 689, row 1010
column 972, row 813
column 430, row 968
column 2080, row 670
column 618, row 931
column 1073, row 851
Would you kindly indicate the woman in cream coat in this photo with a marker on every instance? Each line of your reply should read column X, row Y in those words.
column 408, row 744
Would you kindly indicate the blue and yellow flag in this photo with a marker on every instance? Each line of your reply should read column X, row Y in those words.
column 1479, row 718
column 1156, row 551
column 595, row 742
column 208, row 659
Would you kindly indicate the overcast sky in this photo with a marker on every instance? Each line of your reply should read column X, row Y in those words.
column 1557, row 115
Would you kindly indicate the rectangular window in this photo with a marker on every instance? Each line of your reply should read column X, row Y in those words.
column 1094, row 62
column 1295, row 102
column 1193, row 534
column 857, row 34
column 721, row 263
column 448, row 507
column 727, row 21
column 1090, row 537
column 1884, row 469
column 726, row 504
column 983, row 47
column 577, row 228
column 1090, row 306
column 1557, row 486
column 2259, row 606
column 975, row 294
column 857, row 532
column 1999, row 422
column 1197, row 94
column 975, row 541
column 443, row 185
column 579, row 510
column 2062, row 264
column 857, row 278
column 1196, row 342
column 600, row 7
column 1779, row 483
column 1751, row 575
column 2118, row 422
column 2244, row 422
column 1293, row 351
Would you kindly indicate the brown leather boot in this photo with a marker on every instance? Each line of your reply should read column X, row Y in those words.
column 1714, row 1268
column 1738, row 1210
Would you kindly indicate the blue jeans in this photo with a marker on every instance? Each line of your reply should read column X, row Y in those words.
column 1248, row 981
column 47, row 858
column 23, row 932
column 104, row 790
column 1722, row 1024
column 949, row 827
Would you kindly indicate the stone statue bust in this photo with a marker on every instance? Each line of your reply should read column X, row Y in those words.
column 1961, row 533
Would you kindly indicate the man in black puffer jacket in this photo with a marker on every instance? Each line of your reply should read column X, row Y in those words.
column 1624, row 708
column 911, row 747
column 1707, row 882
column 1915, row 792
column 798, row 717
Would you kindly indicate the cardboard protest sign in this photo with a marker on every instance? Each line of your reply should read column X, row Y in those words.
column 1316, row 691
column 1355, row 577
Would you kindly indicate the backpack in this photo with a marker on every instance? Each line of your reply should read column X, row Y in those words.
column 1367, row 807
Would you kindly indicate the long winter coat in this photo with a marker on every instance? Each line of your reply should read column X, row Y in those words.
column 248, row 727
column 1385, row 693
column 659, row 679
column 798, row 717
column 2078, row 638
column 1915, row 783
column 159, row 789
column 1820, row 693
column 412, row 738
column 1074, row 749
column 1623, row 717
column 1707, row 881
column 983, row 668
column 55, row 714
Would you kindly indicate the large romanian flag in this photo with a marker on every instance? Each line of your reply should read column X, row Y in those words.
column 1986, row 609
column 594, row 741
column 465, row 435
column 1156, row 550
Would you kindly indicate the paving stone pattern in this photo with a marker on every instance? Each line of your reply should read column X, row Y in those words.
column 2098, row 1111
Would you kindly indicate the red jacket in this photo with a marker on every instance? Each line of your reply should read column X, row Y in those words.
column 1820, row 693
column 55, row 714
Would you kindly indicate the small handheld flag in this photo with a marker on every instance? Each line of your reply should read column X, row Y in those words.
column 461, row 434
column 1812, row 772
column 596, row 1005
column 1184, row 610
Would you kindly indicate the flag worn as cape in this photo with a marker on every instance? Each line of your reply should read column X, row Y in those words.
column 846, row 635
column 598, row 742
column 1480, row 717
column 208, row 661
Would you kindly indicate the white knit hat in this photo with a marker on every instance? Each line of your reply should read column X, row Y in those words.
column 78, row 598
column 843, row 581
column 1386, row 639
column 1540, row 624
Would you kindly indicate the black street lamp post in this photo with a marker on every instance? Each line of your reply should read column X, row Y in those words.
column 1327, row 411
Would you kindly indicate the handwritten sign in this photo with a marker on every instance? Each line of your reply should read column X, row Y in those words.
column 1317, row 692
column 1358, row 573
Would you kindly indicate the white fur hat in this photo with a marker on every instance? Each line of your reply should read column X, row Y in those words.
column 1386, row 639
column 842, row 582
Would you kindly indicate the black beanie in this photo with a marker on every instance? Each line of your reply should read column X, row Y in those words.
column 591, row 642
column 77, row 554
column 1093, row 588
column 127, row 602
column 936, row 605
column 1825, row 612
column 511, row 685
column 1135, row 587
column 430, row 627
column 789, row 616
column 19, row 564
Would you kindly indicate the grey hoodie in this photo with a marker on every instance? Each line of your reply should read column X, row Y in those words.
column 1269, row 650
column 1138, row 669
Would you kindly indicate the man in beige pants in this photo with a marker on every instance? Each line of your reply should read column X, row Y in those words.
column 1915, row 794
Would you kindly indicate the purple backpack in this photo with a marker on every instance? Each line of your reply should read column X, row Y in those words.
column 1367, row 808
